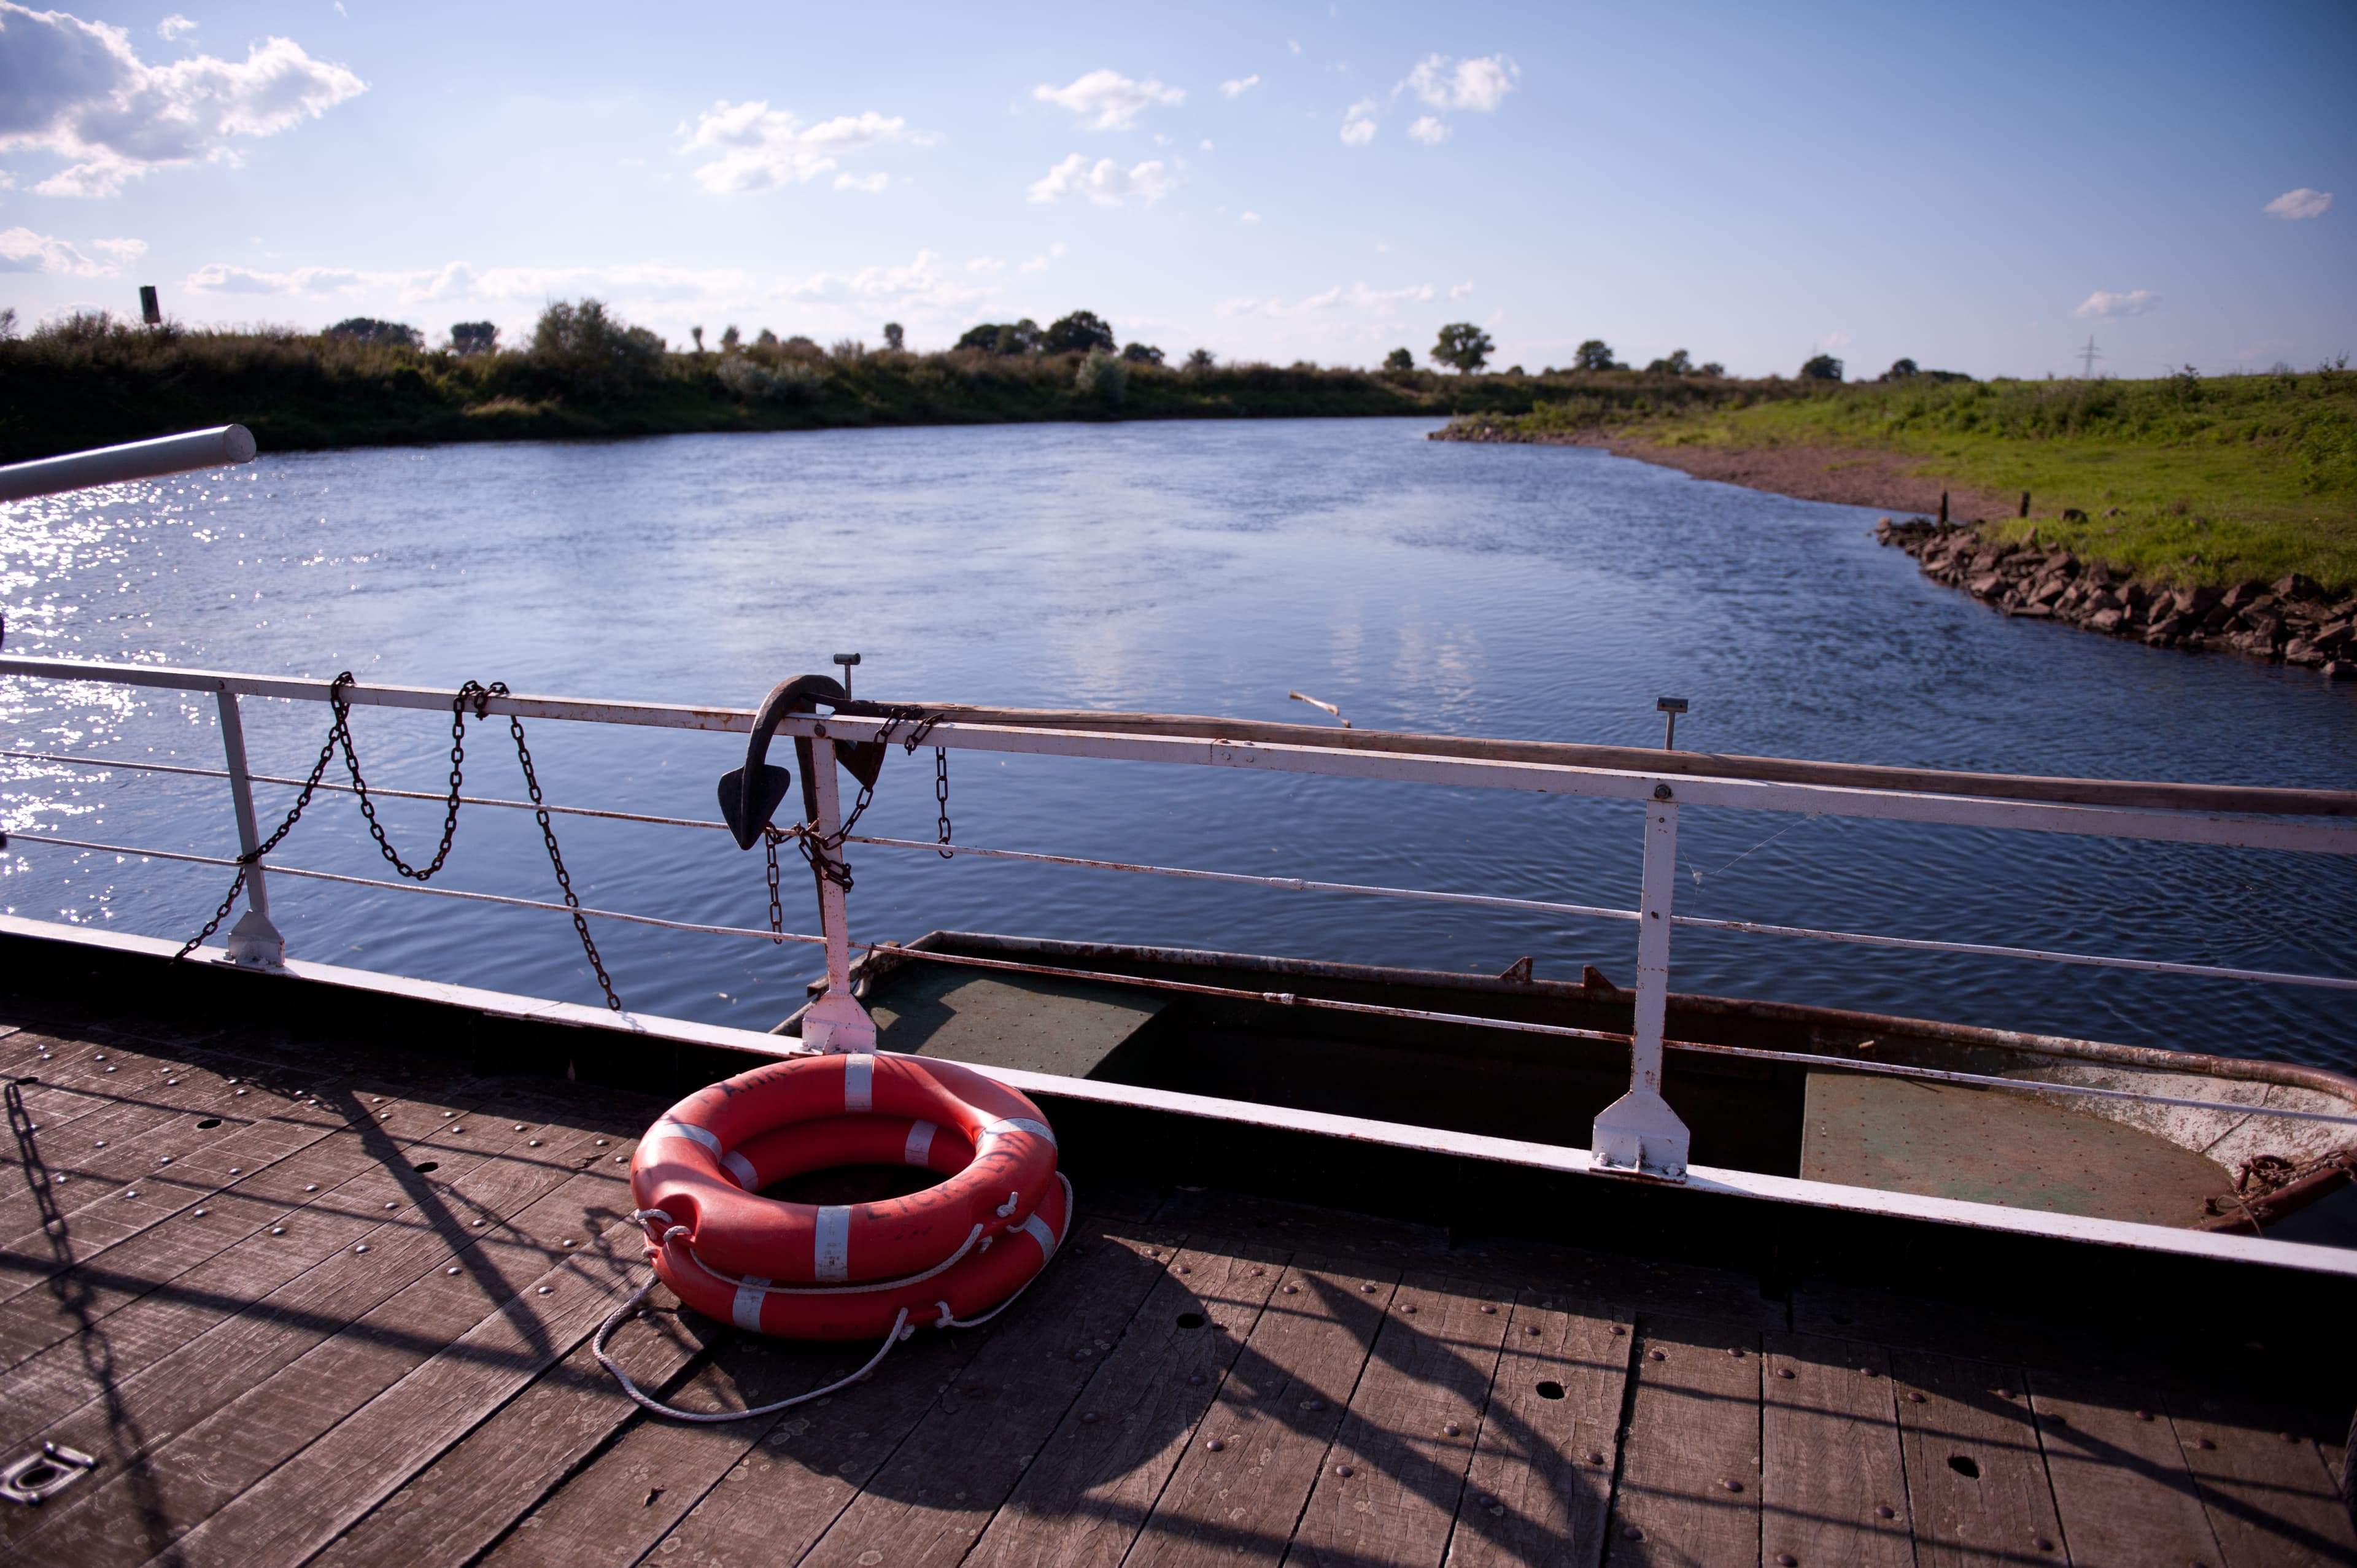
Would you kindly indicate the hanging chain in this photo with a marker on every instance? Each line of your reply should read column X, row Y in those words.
column 770, row 839
column 941, row 798
column 339, row 737
column 555, row 857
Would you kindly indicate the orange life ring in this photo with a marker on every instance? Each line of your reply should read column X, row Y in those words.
column 701, row 1167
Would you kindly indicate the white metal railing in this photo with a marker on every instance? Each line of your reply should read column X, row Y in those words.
column 1639, row 1133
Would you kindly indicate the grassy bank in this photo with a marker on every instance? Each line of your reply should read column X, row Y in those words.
column 2186, row 479
column 92, row 382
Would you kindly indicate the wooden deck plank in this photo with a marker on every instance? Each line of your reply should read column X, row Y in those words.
column 1688, row 1490
column 1833, row 1484
column 812, row 1461
column 1088, row 1492
column 194, row 1415
column 1276, row 1414
column 296, row 1509
column 450, row 1511
column 2122, row 1490
column 1976, row 1471
column 1540, row 1489
column 633, row 1494
column 262, row 1287
column 1390, row 1491
column 2266, row 1487
column 925, row 1506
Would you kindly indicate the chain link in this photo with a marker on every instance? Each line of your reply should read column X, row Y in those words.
column 941, row 799
column 339, row 737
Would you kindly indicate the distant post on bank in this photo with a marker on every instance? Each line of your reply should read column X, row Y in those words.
column 151, row 310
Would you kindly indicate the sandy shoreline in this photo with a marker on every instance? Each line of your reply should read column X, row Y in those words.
column 1846, row 475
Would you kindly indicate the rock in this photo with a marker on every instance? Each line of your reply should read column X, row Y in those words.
column 2258, row 644
column 2167, row 629
column 2334, row 638
column 1985, row 584
column 2198, row 601
column 2296, row 585
column 2339, row 670
column 2109, row 619
column 2243, row 594
column 2040, row 611
column 2104, row 600
column 2301, row 651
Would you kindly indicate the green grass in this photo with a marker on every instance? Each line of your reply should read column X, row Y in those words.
column 2184, row 479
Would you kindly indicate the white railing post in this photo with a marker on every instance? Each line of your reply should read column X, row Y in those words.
column 1639, row 1134
column 836, row 1022
column 253, row 941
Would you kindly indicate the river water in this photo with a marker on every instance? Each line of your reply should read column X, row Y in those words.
column 1539, row 593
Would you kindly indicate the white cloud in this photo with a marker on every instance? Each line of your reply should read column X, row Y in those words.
column 1460, row 290
column 1480, row 85
column 124, row 252
column 868, row 182
column 756, row 147
column 22, row 251
column 1039, row 264
column 1249, row 218
column 2301, row 203
column 1358, row 122
column 1108, row 99
column 79, row 89
column 1207, row 144
column 1104, row 182
column 1357, row 297
column 2101, row 305
column 1292, row 46
column 984, row 265
column 173, row 26
column 1241, row 86
column 1429, row 130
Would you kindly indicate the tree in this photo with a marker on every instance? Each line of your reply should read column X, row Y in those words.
column 1463, row 347
column 697, row 333
column 594, row 353
column 1077, row 334
column 767, row 340
column 367, row 330
column 1199, row 359
column 1102, row 374
column 1596, row 354
column 1823, row 367
column 474, row 336
column 1141, row 353
column 1900, row 369
column 1003, row 338
column 1710, row 368
column 894, row 338
column 730, row 339
column 1679, row 363
column 1399, row 360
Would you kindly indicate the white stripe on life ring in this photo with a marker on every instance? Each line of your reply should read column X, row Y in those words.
column 832, row 1245
column 1021, row 1125
column 919, row 1146
column 688, row 1129
column 740, row 1167
column 858, row 1084
column 1036, row 1228
column 746, row 1311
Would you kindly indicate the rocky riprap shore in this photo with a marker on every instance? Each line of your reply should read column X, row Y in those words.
column 2289, row 621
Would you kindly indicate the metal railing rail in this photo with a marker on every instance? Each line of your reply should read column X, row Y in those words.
column 1639, row 1133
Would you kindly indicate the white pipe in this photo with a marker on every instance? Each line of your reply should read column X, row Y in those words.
column 219, row 447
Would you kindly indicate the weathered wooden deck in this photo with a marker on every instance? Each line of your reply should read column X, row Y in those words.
column 312, row 1303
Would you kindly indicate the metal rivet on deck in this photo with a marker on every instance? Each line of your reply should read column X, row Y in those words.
column 172, row 1084
column 131, row 1194
column 456, row 1128
column 544, row 1290
column 1595, row 1457
column 1259, row 1274
column 1292, row 1290
column 1488, row 1310
column 1871, row 1372
column 1631, row 1532
column 278, row 1231
column 241, row 1091
column 108, row 1070
column 313, row 1188
column 1216, row 1444
column 1786, row 1559
column 1736, row 1351
column 620, row 1160
column 163, row 1159
column 519, row 1127
column 1617, row 1331
column 1194, row 1380
column 1914, row 1398
column 601, row 1143
column 479, row 1224
column 384, row 1115
column 361, row 1248
column 569, row 1242
column 1087, row 1418
column 1344, row 1471
column 532, row 1143
column 392, row 1206
column 2043, row 1545
column 1367, row 1290
column 1885, row 1510
column 376, row 1100
column 1452, row 1429
column 200, row 1213
column 2290, row 1437
column 1658, row 1355
column 234, row 1171
column 1783, row 1371
column 99, row 1144
column 1731, row 1484
column 1313, row 1404
column 1408, row 1307
column 1185, row 1270
column 451, row 1269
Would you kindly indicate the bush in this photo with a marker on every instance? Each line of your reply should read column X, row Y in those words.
column 1201, row 360
column 594, row 355
column 1103, row 376
column 1081, row 332
column 367, row 330
column 1004, row 338
column 1141, row 354
column 795, row 381
column 1462, row 345
column 1824, row 368
column 474, row 338
column 1399, row 360
column 1596, row 354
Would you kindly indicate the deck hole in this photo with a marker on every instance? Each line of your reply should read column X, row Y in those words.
column 423, row 1166
column 1550, row 1390
column 209, row 1123
column 1965, row 1466
column 38, row 1475
column 1191, row 1320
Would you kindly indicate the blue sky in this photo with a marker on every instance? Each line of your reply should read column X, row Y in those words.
column 1979, row 187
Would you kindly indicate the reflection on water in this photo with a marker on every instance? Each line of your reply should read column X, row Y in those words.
column 1193, row 568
